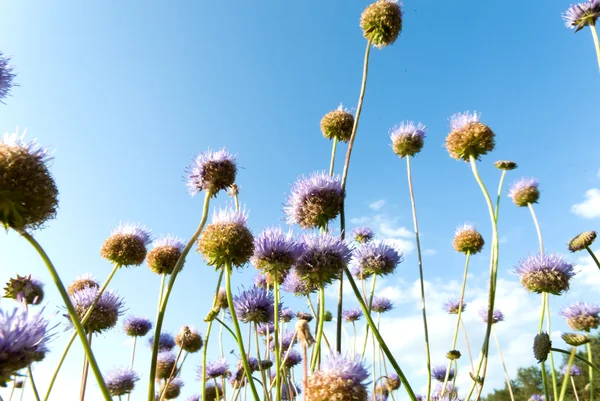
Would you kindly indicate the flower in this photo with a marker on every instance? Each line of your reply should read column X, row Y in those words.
column 166, row 342
column 286, row 390
column 582, row 316
column 575, row 371
column 189, row 340
column 304, row 316
column 25, row 288
column 211, row 171
column 227, row 240
column 286, row 315
column 381, row 22
column 506, row 165
column 275, row 251
column 121, row 381
column 580, row 15
column 211, row 392
column 314, row 200
column 524, row 192
column 382, row 305
column 323, row 259
column 545, row 273
column 173, row 389
column 255, row 305
column 452, row 307
column 126, row 245
column 341, row 378
column 362, row 234
column 352, row 315
column 218, row 368
column 338, row 124
column 165, row 362
column 222, row 302
column 541, row 346
column 469, row 137
column 377, row 258
column 23, row 339
column 28, row 195
column 287, row 340
column 293, row 283
column 104, row 315
column 136, row 326
column 6, row 77
column 575, row 339
column 293, row 358
column 467, row 239
column 439, row 373
column 537, row 397
column 407, row 138
column 84, row 281
column 264, row 328
column 497, row 315
column 392, row 381
column 582, row 241
column 165, row 254
column 453, row 354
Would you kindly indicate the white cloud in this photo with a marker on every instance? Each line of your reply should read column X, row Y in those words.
column 388, row 229
column 377, row 204
column 590, row 207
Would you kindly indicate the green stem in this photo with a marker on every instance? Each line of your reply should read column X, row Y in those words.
column 591, row 372
column 260, row 368
column 133, row 353
column 553, row 370
column 512, row 396
column 563, row 388
column 540, row 328
column 60, row 362
column 72, row 314
column 163, row 305
column 354, row 347
column 208, row 329
column 574, row 389
column 86, row 368
column 221, row 336
column 596, row 41
column 313, row 363
column 168, row 380
column 537, row 228
column 467, row 344
column 332, row 162
column 223, row 324
column 370, row 307
column 593, row 256
column 581, row 359
column 33, row 386
column 499, row 194
column 276, row 324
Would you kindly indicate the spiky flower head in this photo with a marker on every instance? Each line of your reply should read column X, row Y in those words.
column 215, row 369
column 382, row 305
column 255, row 305
column 497, row 315
column 469, row 137
column 467, row 239
column 126, row 245
column 172, row 390
column 135, row 326
column 352, row 315
column 438, row 372
column 227, row 240
column 275, row 251
column 582, row 241
column 392, row 381
column 314, row 200
column 6, row 77
column 121, row 381
column 408, row 138
column 222, row 299
column 211, row 171
column 363, row 234
column 81, row 282
column 28, row 194
column 582, row 14
column 292, row 359
column 286, row 315
column 452, row 306
column 265, row 328
column 453, row 354
column 25, row 289
column 541, row 346
column 164, row 364
column 574, row 339
column 293, row 283
column 338, row 124
column 288, row 340
column 323, row 259
column 212, row 392
column 377, row 257
column 582, row 316
column 545, row 273
column 166, row 342
column 537, row 397
column 23, row 339
column 524, row 192
column 104, row 315
column 303, row 333
column 189, row 340
column 574, row 371
column 506, row 165
column 164, row 255
column 341, row 378
column 381, row 22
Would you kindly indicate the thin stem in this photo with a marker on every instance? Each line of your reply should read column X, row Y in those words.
column 537, row 228
column 313, row 363
column 86, row 367
column 221, row 336
column 574, row 389
column 512, row 396
column 467, row 344
column 260, row 368
column 132, row 359
column 168, row 380
column 72, row 314
column 12, row 390
column 499, row 195
column 373, row 366
column 540, row 328
column 361, row 97
column 208, row 329
column 591, row 371
column 33, row 386
column 60, row 362
column 370, row 304
column 596, row 41
column 593, row 256
column 163, row 306
column 563, row 388
column 553, row 370
column 583, row 360
column 354, row 347
column 333, row 149
column 276, row 324
column 304, row 370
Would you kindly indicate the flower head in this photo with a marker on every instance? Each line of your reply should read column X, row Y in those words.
column 104, row 315
column 377, row 257
column 469, row 137
column 342, row 378
column 255, row 305
column 392, row 382
column 575, row 371
column 537, row 397
column 211, row 171
column 173, row 389
column 303, row 332
column 126, row 245
column 84, row 281
column 26, row 289
column 287, row 389
column 166, row 342
column 524, row 192
column 381, row 22
column 218, row 368
column 265, row 328
column 212, row 392
column 293, row 358
column 541, row 346
column 545, row 273
column 439, row 373
column 382, row 305
column 352, row 315
column 6, row 77
column 338, row 124
column 467, row 239
column 407, row 138
column 315, row 200
column 286, row 315
column 189, row 340
column 575, row 339
column 582, row 316
column 323, row 259
column 164, row 255
column 135, row 326
column 275, row 251
column 582, row 241
column 452, row 306
column 506, row 165
column 287, row 340
column 293, row 283
column 165, row 362
column 121, row 381
column 222, row 299
column 582, row 14
column 304, row 316
column 497, row 315
column 363, row 234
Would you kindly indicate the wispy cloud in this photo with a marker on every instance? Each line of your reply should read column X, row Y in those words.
column 590, row 207
column 377, row 205
column 388, row 229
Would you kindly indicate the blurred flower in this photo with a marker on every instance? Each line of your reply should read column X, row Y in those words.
column 392, row 381
column 439, row 373
column 467, row 239
column 582, row 316
column 537, row 397
column 407, row 138
column 25, row 289
column 341, row 378
column 469, row 137
column 211, row 392
column 524, row 192
column 275, row 251
column 166, row 342
column 363, row 234
column 452, row 306
column 377, row 258
column 338, row 124
column 382, row 305
column 136, row 326
column 582, row 14
column 293, row 358
column 286, row 315
column 121, row 381
column 286, row 389
column 255, row 305
column 497, row 315
column 165, row 362
column 323, row 259
column 84, row 281
column 381, row 22
column 575, row 371
column 265, row 328
column 126, row 245
column 506, row 165
column 574, row 339
column 6, row 77
column 218, row 368
column 582, row 241
column 352, row 315
column 104, row 315
column 189, row 339
column 541, row 346
column 545, row 273
column 173, row 389
column 304, row 316
column 303, row 333
column 293, row 283
column 165, row 254
column 211, row 171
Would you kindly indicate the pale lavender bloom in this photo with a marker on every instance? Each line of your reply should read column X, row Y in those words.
column 255, row 305
column 121, row 381
column 229, row 215
column 15, row 140
column 545, row 273
column 218, row 368
column 166, row 357
column 201, row 174
column 260, row 280
column 438, row 372
column 323, row 258
column 288, row 340
column 382, row 305
column 408, row 128
column 136, row 326
column 6, row 77
column 580, row 309
column 378, row 258
column 196, row 397
column 265, row 328
column 286, row 315
column 460, row 120
column 274, row 249
column 106, row 312
column 137, row 230
column 497, row 315
column 522, row 184
column 363, row 234
column 166, row 342
column 304, row 188
column 252, row 362
column 170, row 241
column 451, row 306
column 537, row 397
column 575, row 371
column 352, row 315
column 294, row 284
column 582, row 14
column 293, row 358
column 346, row 367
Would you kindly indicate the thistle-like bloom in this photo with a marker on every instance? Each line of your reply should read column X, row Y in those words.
column 265, row 328
column 166, row 342
column 173, row 389
column 469, row 137
column 582, row 316
column 467, row 239
column 189, row 340
column 227, row 240
column 452, row 306
column 582, row 241
column 450, row 393
column 286, row 390
column 126, row 245
column 363, row 234
column 381, row 22
column 28, row 195
column 392, row 381
column 575, row 371
column 293, row 283
column 286, row 315
column 105, row 314
column 84, row 281
column 541, row 346
column 537, row 397
column 545, row 273
column 323, row 259
column 136, row 326
column 121, row 381
column 315, row 200
column 293, row 358
column 252, row 362
column 6, row 77
column 165, row 362
column 497, row 315
column 575, row 339
column 524, row 192
column 506, row 165
column 287, row 340
column 407, row 138
column 341, row 378
column 255, row 305
column 211, row 392
column 338, row 124
column 377, row 258
column 352, row 315
column 382, row 305
column 275, row 251
column 211, row 171
column 23, row 339
column 218, row 368
column 581, row 15
column 164, row 255
column 438, row 372
column 25, row 289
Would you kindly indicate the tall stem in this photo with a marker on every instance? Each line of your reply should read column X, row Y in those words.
column 313, row 363
column 60, row 362
column 208, row 329
column 361, row 97
column 574, row 389
column 163, row 306
column 563, row 388
column 512, row 396
column 276, row 331
column 370, row 307
column 304, row 371
column 133, row 351
column 332, row 162
column 33, row 386
column 553, row 370
column 72, row 314
column 260, row 368
column 168, row 379
column 499, row 195
column 593, row 256
column 468, row 345
column 537, row 228
column 543, row 365
column 591, row 371
column 86, row 367
column 596, row 41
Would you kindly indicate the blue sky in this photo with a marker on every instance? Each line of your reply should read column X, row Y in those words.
column 126, row 93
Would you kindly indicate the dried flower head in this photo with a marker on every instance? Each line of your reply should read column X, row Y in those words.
column 582, row 316
column 212, row 392
column 6, row 77
column 135, row 326
column 582, row 14
column 392, row 381
column 189, row 340
column 211, row 171
column 166, row 342
column 126, row 245
column 293, row 283
column 541, row 346
column 497, row 316
column 382, row 305
column 377, row 257
column 362, row 234
column 524, row 192
column 304, row 316
column 28, row 195
column 352, row 315
column 164, row 255
column 255, row 305
column 452, row 306
column 84, row 281
column 121, row 381
column 105, row 314
column 222, row 299
column 25, row 289
column 545, row 273
column 338, row 124
column 438, row 372
column 506, row 165
column 381, row 22
column 467, row 239
column 341, row 378
column 286, row 315
column 323, row 259
column 173, row 389
column 582, row 241
column 275, row 251
column 218, row 368
column 303, row 333
column 574, row 339
column 165, row 363
column 469, row 137
column 408, row 138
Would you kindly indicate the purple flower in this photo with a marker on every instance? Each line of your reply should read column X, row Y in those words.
column 136, row 230
column 294, row 284
column 363, row 234
column 105, row 314
column 407, row 138
column 218, row 368
column 121, row 381
column 524, row 191
column 211, row 171
column 228, row 215
column 260, row 280
column 575, row 371
column 293, row 358
column 254, row 305
column 452, row 306
column 537, row 397
column 287, row 340
column 275, row 250
column 265, row 328
column 136, row 326
column 579, row 15
column 196, row 397
column 286, row 315
column 346, row 367
column 382, row 305
column 352, row 315
column 460, row 120
column 545, row 273
column 166, row 342
column 285, row 391
column 582, row 316
column 6, row 77
column 438, row 372
column 170, row 241
column 377, row 258
column 323, row 259
column 252, row 362
column 497, row 316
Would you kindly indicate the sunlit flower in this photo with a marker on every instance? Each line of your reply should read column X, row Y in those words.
column 407, row 138
column 121, row 381
column 211, row 171
column 545, row 273
column 469, row 137
column 126, row 245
